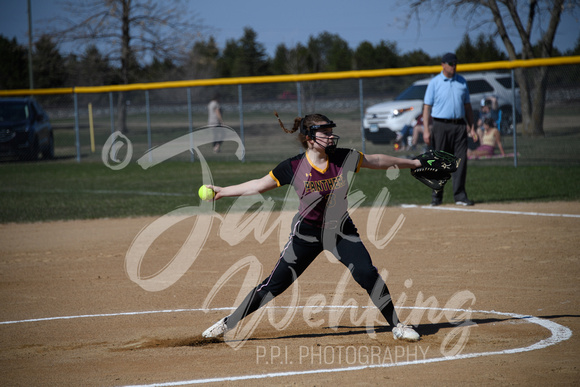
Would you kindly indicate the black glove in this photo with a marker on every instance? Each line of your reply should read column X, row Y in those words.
column 436, row 168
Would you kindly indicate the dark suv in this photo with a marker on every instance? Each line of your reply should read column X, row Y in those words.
column 25, row 129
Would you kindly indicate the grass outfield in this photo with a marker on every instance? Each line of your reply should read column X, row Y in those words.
column 62, row 190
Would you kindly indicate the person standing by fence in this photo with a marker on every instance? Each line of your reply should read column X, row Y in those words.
column 215, row 119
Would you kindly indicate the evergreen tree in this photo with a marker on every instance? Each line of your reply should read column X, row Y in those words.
column 251, row 58
column 280, row 61
column 339, row 56
column 14, row 65
column 94, row 68
column 466, row 51
column 387, row 55
column 48, row 66
column 417, row 58
column 159, row 70
column 328, row 52
column 298, row 59
column 202, row 62
column 484, row 50
column 365, row 57
column 227, row 59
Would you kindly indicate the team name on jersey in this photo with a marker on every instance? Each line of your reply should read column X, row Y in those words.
column 324, row 185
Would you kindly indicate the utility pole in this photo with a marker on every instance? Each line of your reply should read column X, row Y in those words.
column 30, row 75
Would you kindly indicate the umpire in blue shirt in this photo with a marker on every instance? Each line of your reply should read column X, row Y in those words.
column 447, row 101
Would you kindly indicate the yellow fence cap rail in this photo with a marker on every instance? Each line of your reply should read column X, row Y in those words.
column 20, row 92
column 468, row 67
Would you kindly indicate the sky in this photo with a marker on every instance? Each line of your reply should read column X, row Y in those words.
column 292, row 22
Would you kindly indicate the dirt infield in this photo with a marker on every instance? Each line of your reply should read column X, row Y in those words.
column 493, row 288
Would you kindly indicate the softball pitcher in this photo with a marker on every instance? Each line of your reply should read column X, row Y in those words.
column 319, row 176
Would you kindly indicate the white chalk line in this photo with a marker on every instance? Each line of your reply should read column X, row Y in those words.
column 118, row 192
column 559, row 333
column 276, row 199
column 440, row 208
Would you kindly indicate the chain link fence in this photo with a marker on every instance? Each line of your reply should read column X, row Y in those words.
column 83, row 123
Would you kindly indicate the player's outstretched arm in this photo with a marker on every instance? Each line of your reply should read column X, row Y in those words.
column 380, row 161
column 251, row 187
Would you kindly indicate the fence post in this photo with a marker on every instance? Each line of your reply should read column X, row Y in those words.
column 514, row 119
column 190, row 119
column 77, row 132
column 362, row 114
column 241, row 109
column 299, row 98
column 111, row 112
column 149, row 142
column 91, row 128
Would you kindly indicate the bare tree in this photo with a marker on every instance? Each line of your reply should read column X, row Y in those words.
column 515, row 23
column 128, row 31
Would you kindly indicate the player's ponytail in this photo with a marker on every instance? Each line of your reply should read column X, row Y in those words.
column 297, row 125
column 294, row 128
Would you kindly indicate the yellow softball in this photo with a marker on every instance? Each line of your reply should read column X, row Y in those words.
column 205, row 193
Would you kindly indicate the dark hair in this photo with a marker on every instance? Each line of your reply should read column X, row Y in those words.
column 303, row 124
column 489, row 122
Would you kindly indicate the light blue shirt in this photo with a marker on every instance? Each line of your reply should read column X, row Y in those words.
column 447, row 96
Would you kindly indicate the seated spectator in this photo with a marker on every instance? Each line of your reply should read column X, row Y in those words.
column 415, row 130
column 418, row 130
column 489, row 138
column 401, row 142
column 489, row 109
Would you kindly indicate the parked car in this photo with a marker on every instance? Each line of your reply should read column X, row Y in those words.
column 382, row 122
column 25, row 129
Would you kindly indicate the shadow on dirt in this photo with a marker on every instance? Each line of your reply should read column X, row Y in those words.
column 337, row 331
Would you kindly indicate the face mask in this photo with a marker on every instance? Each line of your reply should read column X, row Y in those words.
column 329, row 149
column 311, row 132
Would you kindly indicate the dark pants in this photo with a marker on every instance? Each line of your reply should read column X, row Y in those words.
column 300, row 251
column 452, row 138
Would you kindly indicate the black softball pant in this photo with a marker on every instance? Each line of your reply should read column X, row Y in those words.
column 303, row 247
column 452, row 138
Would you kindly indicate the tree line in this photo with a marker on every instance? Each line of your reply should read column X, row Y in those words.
column 126, row 41
column 245, row 56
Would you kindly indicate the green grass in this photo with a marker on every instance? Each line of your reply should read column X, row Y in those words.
column 548, row 170
column 60, row 190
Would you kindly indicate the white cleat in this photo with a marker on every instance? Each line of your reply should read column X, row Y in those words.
column 216, row 330
column 404, row 332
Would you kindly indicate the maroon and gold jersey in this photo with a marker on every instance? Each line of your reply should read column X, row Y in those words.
column 322, row 193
